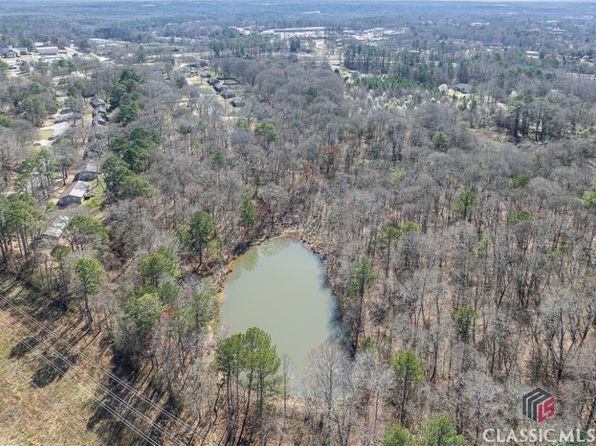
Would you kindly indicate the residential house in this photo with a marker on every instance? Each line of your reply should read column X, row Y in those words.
column 96, row 102
column 213, row 81
column 227, row 94
column 89, row 172
column 100, row 110
column 464, row 88
column 229, row 81
column 56, row 228
column 218, row 87
column 73, row 194
column 11, row 53
column 48, row 51
column 99, row 119
column 237, row 102
column 67, row 117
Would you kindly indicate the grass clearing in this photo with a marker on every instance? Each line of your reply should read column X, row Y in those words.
column 56, row 414
column 95, row 203
column 44, row 134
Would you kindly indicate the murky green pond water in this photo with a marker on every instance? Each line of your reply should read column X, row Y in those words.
column 279, row 287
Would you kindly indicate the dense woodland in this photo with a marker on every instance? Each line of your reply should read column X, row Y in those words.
column 458, row 231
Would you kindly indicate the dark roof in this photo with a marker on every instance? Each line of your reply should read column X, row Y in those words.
column 101, row 110
column 99, row 119
column 96, row 102
column 227, row 94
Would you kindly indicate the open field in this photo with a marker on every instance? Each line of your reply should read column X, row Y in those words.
column 33, row 412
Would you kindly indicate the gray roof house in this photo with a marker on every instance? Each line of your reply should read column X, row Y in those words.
column 57, row 226
column 73, row 194
column 48, row 51
column 99, row 119
column 464, row 88
column 96, row 102
column 227, row 94
column 101, row 110
column 213, row 81
column 218, row 87
column 89, row 172
column 11, row 53
column 67, row 117
column 237, row 102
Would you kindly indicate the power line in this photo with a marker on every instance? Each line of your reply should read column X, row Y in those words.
column 106, row 406
column 112, row 376
column 110, row 409
column 20, row 372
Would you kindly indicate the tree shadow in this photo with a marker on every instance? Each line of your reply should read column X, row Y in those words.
column 241, row 248
column 48, row 373
column 23, row 347
column 42, row 310
column 109, row 410
column 127, row 402
column 171, row 407
column 104, row 343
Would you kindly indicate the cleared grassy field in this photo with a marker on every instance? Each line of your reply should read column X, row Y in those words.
column 38, row 407
column 31, row 414
column 44, row 134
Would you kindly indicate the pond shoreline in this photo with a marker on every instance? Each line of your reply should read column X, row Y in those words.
column 221, row 275
column 280, row 286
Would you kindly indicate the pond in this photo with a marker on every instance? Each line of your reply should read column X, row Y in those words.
column 279, row 286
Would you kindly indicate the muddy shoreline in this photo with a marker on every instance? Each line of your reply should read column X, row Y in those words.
column 310, row 241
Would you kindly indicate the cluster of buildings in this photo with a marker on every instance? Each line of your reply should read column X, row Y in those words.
column 200, row 64
column 99, row 113
column 373, row 34
column 14, row 52
column 220, row 85
column 460, row 88
column 224, row 92
column 76, row 192
column 313, row 32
